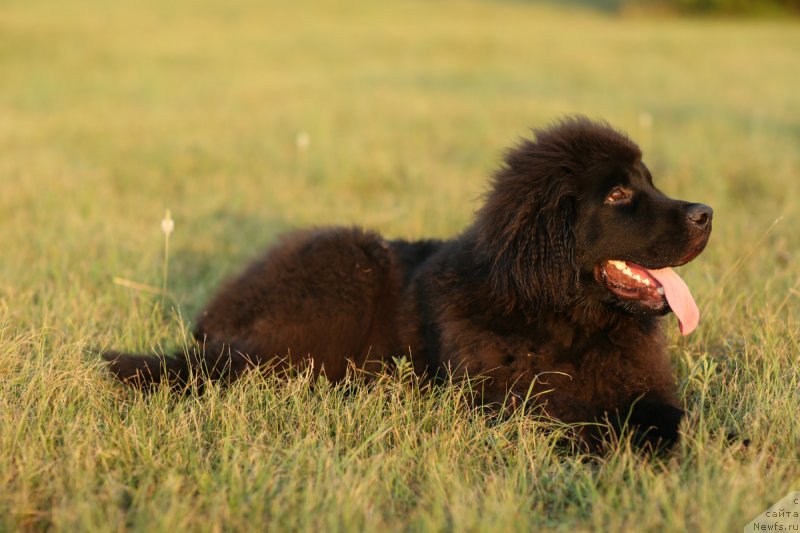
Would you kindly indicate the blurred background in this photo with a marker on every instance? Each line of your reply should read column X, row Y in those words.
column 247, row 118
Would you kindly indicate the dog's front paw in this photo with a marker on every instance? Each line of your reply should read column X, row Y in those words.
column 652, row 425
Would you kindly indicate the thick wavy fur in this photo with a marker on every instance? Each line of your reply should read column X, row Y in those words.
column 519, row 297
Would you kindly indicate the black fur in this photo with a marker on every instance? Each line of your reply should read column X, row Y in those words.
column 519, row 297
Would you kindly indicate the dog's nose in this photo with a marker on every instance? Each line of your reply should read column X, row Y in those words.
column 699, row 215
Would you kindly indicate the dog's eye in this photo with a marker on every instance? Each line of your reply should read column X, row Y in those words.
column 619, row 195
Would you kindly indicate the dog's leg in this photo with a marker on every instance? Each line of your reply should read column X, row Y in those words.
column 654, row 424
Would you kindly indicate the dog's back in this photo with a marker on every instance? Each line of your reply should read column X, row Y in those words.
column 325, row 297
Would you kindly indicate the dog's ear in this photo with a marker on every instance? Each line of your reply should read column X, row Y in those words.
column 525, row 230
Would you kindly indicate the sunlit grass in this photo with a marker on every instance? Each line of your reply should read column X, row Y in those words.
column 250, row 118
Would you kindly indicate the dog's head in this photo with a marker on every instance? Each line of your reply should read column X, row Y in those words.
column 573, row 217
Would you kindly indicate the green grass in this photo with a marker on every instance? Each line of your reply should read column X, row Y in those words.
column 110, row 113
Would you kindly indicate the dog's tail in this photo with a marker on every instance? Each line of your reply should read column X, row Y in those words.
column 147, row 371
column 200, row 363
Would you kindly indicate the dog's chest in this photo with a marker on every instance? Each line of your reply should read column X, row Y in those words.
column 601, row 367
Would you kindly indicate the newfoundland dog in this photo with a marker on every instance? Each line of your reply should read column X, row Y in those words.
column 553, row 294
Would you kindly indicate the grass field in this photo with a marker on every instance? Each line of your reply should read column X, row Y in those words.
column 112, row 112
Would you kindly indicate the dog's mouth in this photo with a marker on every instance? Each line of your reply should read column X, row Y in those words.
column 655, row 289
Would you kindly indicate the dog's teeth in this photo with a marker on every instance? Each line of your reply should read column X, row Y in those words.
column 661, row 291
column 619, row 265
column 647, row 282
column 637, row 277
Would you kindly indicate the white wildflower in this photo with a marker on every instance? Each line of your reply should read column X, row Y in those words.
column 167, row 225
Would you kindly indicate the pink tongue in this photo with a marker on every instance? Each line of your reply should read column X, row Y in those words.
column 679, row 298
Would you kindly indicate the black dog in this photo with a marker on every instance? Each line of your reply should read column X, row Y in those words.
column 553, row 294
